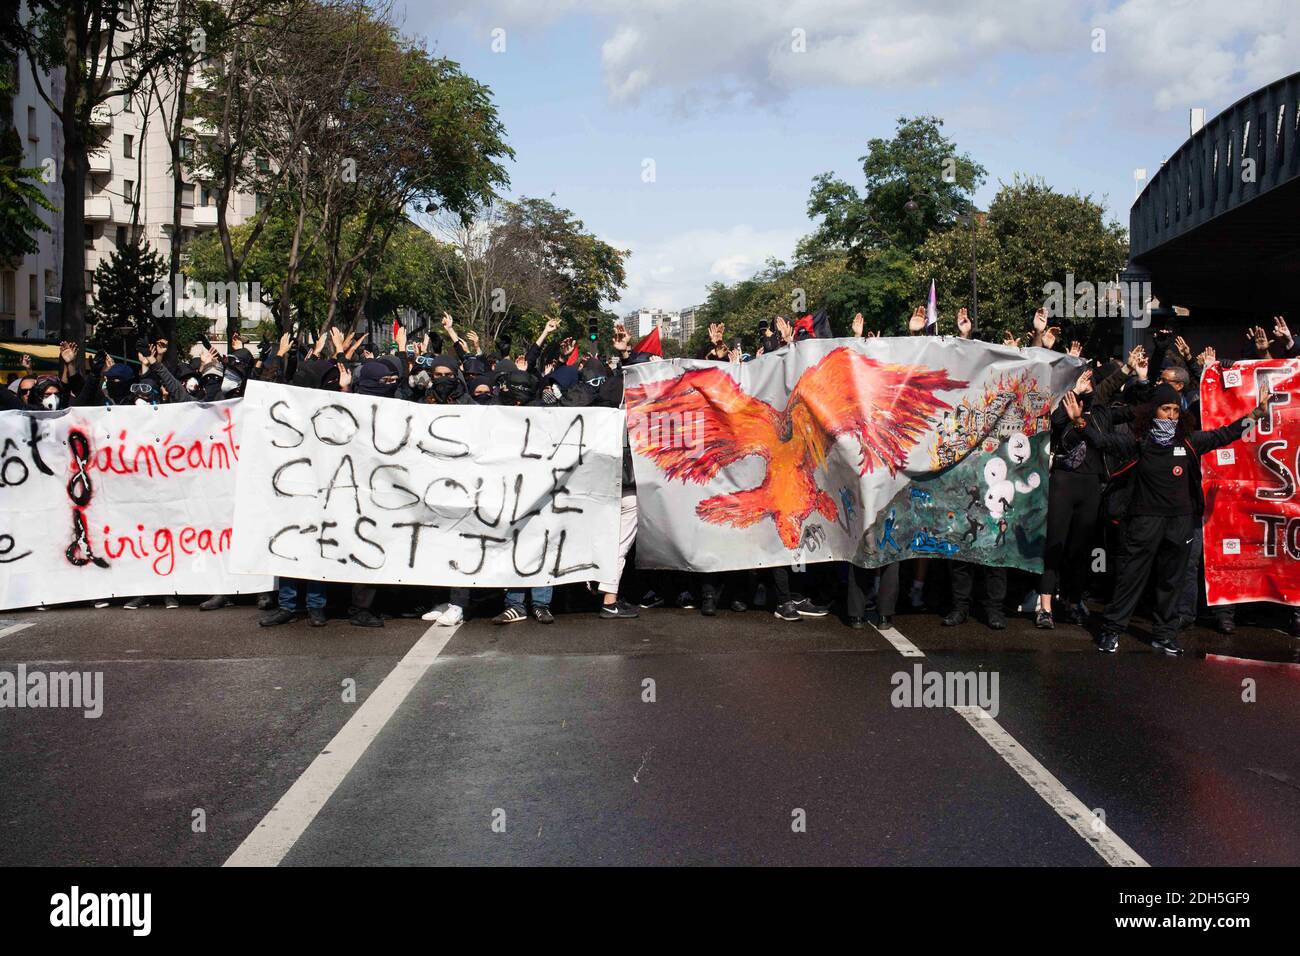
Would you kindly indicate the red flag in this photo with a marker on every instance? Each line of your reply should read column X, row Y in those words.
column 573, row 357
column 396, row 325
column 650, row 344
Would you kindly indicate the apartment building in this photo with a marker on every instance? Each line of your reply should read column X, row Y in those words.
column 129, row 192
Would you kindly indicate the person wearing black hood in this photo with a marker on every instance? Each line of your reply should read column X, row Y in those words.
column 1162, row 501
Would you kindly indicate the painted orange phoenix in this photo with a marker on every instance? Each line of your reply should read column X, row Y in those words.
column 885, row 407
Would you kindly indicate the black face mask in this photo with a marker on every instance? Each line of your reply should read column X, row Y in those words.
column 212, row 388
column 445, row 387
column 483, row 398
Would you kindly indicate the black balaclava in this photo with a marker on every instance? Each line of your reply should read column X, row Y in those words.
column 486, row 397
column 445, row 386
column 117, row 383
column 370, row 379
column 518, row 387
column 242, row 360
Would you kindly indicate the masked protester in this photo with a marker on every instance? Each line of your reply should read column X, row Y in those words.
column 47, row 394
column 445, row 384
column 1162, row 501
column 376, row 379
column 519, row 387
column 481, row 389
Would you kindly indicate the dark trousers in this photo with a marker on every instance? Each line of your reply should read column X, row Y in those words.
column 885, row 580
column 814, row 579
column 1072, row 504
column 963, row 584
column 1154, row 545
column 363, row 598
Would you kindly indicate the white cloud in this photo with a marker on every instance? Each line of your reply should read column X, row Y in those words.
column 673, row 272
column 1168, row 54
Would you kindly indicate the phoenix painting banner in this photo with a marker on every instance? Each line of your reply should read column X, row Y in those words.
column 862, row 450
column 99, row 503
column 1252, row 517
column 343, row 487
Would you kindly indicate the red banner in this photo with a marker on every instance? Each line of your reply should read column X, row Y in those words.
column 1252, row 514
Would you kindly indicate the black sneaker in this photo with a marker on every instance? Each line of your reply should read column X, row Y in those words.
column 316, row 617
column 885, row 622
column 650, row 599
column 1044, row 620
column 997, row 620
column 277, row 617
column 1224, row 623
column 789, row 611
column 1078, row 614
column 954, row 619
column 218, row 601
column 1168, row 645
column 740, row 607
column 171, row 602
column 807, row 608
column 542, row 614
column 365, row 618
column 136, row 603
column 709, row 606
column 511, row 615
column 266, row 601
column 619, row 609
column 1108, row 642
column 686, row 601
column 857, row 623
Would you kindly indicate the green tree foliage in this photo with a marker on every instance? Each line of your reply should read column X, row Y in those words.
column 916, row 184
column 20, row 191
column 1031, row 236
column 127, row 286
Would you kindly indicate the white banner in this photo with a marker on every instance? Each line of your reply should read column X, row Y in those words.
column 342, row 487
column 118, row 502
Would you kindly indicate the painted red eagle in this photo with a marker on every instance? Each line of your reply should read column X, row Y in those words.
column 886, row 408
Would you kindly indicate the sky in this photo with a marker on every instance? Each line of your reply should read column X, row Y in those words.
column 689, row 131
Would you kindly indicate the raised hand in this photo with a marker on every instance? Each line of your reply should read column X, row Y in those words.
column 472, row 336
column 1076, row 349
column 1184, row 349
column 400, row 338
column 286, row 341
column 963, row 323
column 1011, row 340
column 1049, row 336
column 67, row 352
column 1260, row 338
column 26, row 362
column 873, row 335
column 784, row 329
column 1084, row 385
column 1207, row 357
column 236, row 341
column 336, row 340
column 1040, row 320
column 1282, row 332
column 917, row 322
column 857, row 324
column 145, row 360
column 446, row 321
column 1073, row 407
column 320, row 343
column 345, row 377
column 552, row 324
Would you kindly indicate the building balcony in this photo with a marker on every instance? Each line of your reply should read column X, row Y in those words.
column 202, row 127
column 205, row 215
column 101, row 163
column 99, row 209
column 101, row 116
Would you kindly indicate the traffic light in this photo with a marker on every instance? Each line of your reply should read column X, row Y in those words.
column 593, row 330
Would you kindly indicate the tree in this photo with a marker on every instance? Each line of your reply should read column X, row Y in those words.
column 522, row 261
column 127, row 287
column 916, row 184
column 20, row 190
column 85, row 44
column 1031, row 236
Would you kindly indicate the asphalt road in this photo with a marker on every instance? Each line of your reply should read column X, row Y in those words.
column 765, row 743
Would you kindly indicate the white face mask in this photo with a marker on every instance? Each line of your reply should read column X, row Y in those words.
column 51, row 402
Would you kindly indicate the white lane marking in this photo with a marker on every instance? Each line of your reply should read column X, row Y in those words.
column 901, row 644
column 286, row 822
column 15, row 628
column 1069, row 807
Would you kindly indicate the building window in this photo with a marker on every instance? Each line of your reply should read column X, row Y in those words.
column 187, row 195
column 8, row 292
column 126, row 103
column 31, row 293
column 128, row 146
column 187, row 148
column 261, row 201
column 121, row 237
column 128, row 190
column 263, row 164
column 205, row 196
column 32, row 134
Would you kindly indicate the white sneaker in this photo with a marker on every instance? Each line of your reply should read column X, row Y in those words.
column 452, row 616
column 434, row 613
